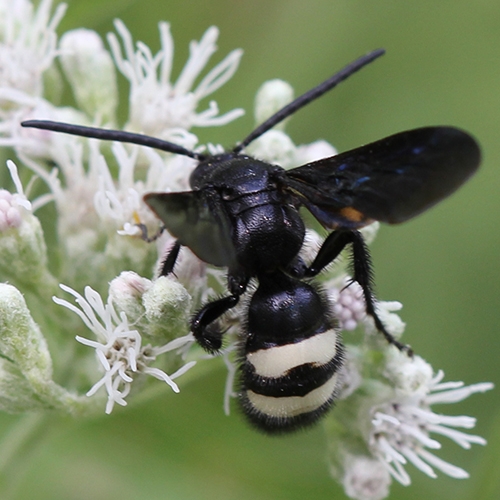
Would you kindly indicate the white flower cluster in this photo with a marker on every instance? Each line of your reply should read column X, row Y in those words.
column 393, row 423
column 159, row 107
column 141, row 329
column 401, row 424
column 98, row 212
column 119, row 348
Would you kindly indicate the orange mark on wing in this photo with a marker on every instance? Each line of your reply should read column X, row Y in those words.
column 352, row 214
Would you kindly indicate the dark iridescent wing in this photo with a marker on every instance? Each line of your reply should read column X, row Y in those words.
column 391, row 180
column 198, row 221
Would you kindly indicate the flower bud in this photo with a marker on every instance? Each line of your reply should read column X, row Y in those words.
column 167, row 305
column 126, row 292
column 365, row 478
column 90, row 71
column 409, row 375
column 274, row 147
column 317, row 150
column 270, row 98
column 22, row 247
column 20, row 338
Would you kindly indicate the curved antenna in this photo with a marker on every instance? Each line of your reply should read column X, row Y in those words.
column 170, row 147
column 113, row 135
column 309, row 96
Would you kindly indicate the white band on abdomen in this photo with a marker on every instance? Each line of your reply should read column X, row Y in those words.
column 276, row 361
column 293, row 405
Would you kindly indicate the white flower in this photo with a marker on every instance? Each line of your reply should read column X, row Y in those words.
column 28, row 47
column 119, row 201
column 28, row 43
column 156, row 104
column 119, row 347
column 392, row 322
column 88, row 198
column 96, row 213
column 72, row 185
column 402, row 424
column 97, row 208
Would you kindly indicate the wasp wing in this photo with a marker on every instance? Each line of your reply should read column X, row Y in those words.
column 198, row 221
column 391, row 180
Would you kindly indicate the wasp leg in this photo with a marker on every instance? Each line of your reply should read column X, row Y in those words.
column 204, row 325
column 167, row 266
column 207, row 333
column 362, row 273
column 329, row 251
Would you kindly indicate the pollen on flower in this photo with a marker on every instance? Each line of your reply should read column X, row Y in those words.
column 119, row 347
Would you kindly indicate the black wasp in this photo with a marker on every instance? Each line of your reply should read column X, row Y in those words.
column 243, row 214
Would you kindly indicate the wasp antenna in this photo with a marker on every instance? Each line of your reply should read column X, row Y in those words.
column 310, row 96
column 112, row 135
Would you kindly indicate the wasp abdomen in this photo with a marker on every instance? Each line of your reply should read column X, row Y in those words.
column 291, row 356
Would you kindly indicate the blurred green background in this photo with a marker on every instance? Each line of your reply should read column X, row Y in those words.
column 442, row 67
